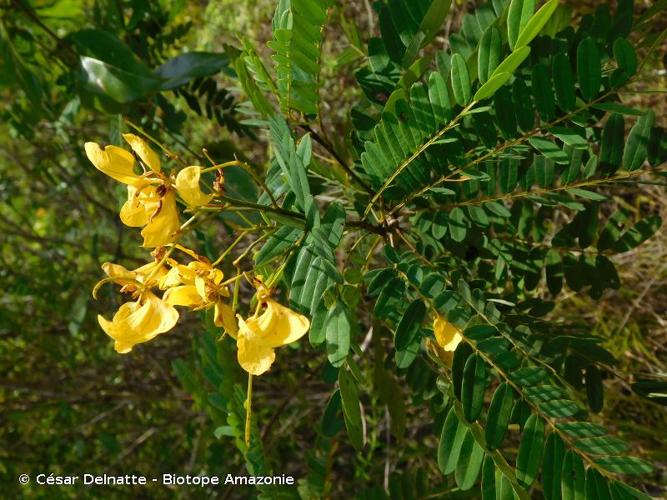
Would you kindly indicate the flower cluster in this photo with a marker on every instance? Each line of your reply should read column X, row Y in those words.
column 198, row 284
column 151, row 194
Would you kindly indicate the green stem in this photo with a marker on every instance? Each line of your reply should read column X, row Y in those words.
column 248, row 410
column 452, row 124
column 234, row 203
column 543, row 191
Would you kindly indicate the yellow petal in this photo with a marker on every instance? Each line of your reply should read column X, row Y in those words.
column 186, row 296
column 447, row 335
column 279, row 325
column 187, row 274
column 134, row 212
column 164, row 225
column 224, row 317
column 142, row 202
column 151, row 269
column 138, row 322
column 115, row 162
column 143, row 150
column 187, row 185
column 117, row 271
column 200, row 284
column 216, row 275
column 254, row 357
column 171, row 278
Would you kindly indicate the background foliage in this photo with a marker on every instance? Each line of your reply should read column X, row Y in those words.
column 540, row 259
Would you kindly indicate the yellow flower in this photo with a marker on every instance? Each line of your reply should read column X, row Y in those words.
column 258, row 336
column 146, row 317
column 447, row 335
column 157, row 214
column 187, row 186
column 151, row 202
column 119, row 163
column 163, row 225
column 143, row 151
column 142, row 201
column 113, row 161
column 139, row 321
column 198, row 286
column 148, row 274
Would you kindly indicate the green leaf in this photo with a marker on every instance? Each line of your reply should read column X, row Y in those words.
column 554, row 271
column 351, row 409
column 179, row 70
column 469, row 462
column 108, row 48
column 512, row 61
column 564, row 82
column 638, row 234
column 490, row 87
column 457, row 226
column 530, row 375
column 636, row 149
column 391, row 394
column 433, row 19
column 277, row 244
column 460, row 80
column 451, row 440
column 655, row 390
column 581, row 430
column 614, row 107
column 330, row 423
column 406, row 26
column 379, row 280
column 596, row 485
column 626, row 58
column 518, row 15
column 499, row 414
column 505, row 112
column 531, row 447
column 549, row 150
column 478, row 216
column 570, row 136
column 488, row 56
column 620, row 491
column 474, row 386
column 591, row 167
column 310, row 279
column 489, row 485
column 625, row 465
column 543, row 93
column 407, row 330
column 554, row 454
column 585, row 193
column 571, row 173
column 389, row 298
column 602, row 445
column 297, row 38
column 337, row 327
column 536, row 23
column 525, row 114
column 594, row 389
column 293, row 167
column 611, row 143
column 461, row 355
column 589, row 72
column 573, row 477
column 120, row 85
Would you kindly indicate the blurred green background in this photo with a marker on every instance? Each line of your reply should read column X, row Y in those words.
column 68, row 402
